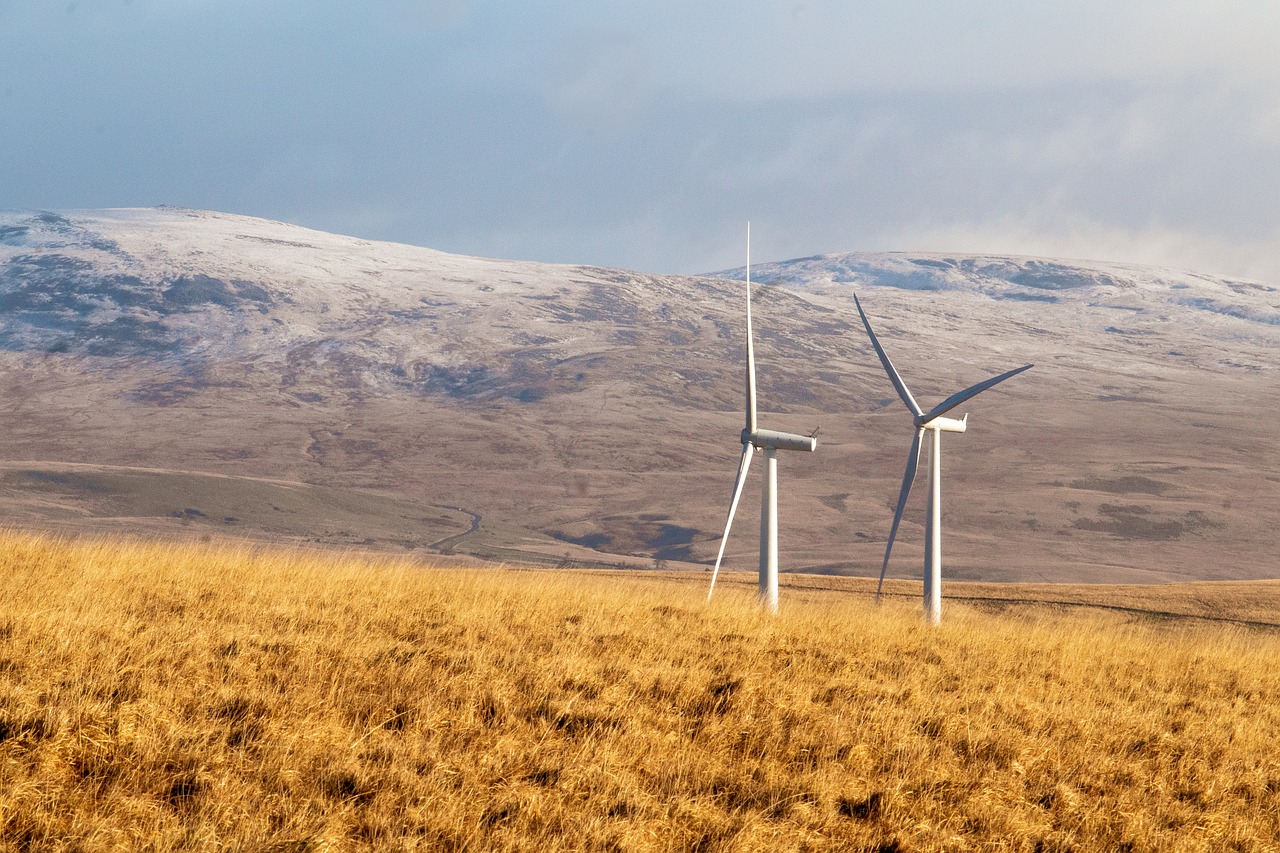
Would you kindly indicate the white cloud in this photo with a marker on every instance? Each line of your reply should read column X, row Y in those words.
column 767, row 49
column 643, row 134
column 1047, row 232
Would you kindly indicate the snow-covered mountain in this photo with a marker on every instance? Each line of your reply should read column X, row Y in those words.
column 573, row 409
column 1137, row 291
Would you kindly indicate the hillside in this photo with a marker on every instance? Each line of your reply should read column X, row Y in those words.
column 233, row 697
column 516, row 410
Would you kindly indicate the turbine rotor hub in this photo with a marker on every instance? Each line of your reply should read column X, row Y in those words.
column 943, row 424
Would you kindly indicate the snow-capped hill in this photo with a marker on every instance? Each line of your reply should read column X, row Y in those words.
column 173, row 241
column 171, row 281
column 1027, row 279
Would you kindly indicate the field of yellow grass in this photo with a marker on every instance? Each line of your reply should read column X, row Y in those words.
column 166, row 696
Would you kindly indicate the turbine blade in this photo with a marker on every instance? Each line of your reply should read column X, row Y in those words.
column 968, row 393
column 908, row 477
column 743, row 465
column 888, row 365
column 751, row 350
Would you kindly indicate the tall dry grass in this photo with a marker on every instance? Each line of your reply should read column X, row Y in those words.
column 194, row 697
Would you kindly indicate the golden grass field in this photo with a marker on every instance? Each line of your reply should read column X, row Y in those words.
column 187, row 696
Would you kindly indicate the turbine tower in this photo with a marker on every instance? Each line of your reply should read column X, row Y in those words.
column 770, row 441
column 932, row 422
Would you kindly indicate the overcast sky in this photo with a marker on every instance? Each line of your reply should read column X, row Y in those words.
column 644, row 134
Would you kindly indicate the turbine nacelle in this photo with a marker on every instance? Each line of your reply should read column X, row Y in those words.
column 943, row 424
column 765, row 438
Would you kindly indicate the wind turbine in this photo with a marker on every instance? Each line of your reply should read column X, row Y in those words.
column 930, row 421
column 770, row 441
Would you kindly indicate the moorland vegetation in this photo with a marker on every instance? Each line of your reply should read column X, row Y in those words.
column 196, row 696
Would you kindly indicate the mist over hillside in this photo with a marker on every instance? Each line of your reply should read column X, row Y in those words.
column 555, row 412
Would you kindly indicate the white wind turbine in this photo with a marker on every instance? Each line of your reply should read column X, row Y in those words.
column 770, row 442
column 932, row 422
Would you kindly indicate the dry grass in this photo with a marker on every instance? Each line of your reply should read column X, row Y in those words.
column 175, row 696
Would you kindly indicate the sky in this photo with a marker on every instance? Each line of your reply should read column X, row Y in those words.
column 645, row 134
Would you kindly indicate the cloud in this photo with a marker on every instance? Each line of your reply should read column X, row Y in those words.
column 768, row 49
column 1058, row 234
column 644, row 135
